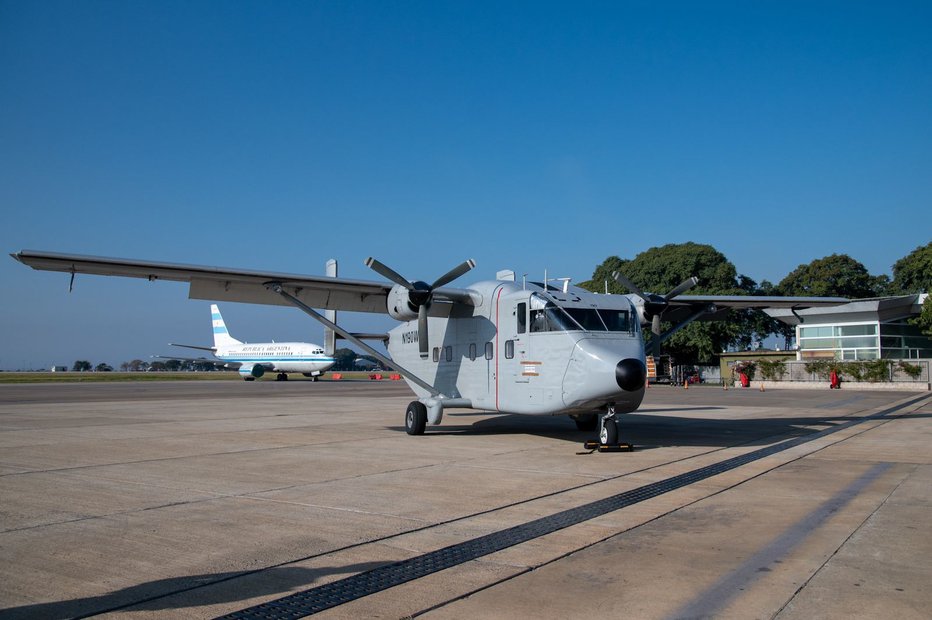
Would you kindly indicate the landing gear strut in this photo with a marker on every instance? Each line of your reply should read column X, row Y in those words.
column 608, row 434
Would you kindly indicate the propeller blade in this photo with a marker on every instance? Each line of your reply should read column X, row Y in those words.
column 628, row 284
column 454, row 273
column 655, row 325
column 422, row 343
column 388, row 273
column 684, row 286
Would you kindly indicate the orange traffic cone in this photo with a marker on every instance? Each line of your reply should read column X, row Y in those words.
column 685, row 384
column 761, row 386
column 725, row 385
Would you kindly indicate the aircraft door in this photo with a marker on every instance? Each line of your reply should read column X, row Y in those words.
column 515, row 342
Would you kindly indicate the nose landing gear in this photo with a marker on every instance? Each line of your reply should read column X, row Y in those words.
column 608, row 434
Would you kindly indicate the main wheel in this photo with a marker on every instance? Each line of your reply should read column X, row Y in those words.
column 416, row 418
column 608, row 436
column 586, row 421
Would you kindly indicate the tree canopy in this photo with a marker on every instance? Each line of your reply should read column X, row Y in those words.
column 837, row 275
column 913, row 272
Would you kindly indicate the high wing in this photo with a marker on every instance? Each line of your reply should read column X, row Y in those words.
column 225, row 284
column 717, row 306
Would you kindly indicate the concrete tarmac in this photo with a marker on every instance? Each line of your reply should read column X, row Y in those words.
column 199, row 499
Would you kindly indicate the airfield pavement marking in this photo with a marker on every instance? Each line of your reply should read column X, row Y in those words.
column 333, row 594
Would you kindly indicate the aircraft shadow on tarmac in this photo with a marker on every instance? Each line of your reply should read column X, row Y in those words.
column 160, row 594
column 647, row 430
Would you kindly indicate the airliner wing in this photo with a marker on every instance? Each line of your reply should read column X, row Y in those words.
column 225, row 284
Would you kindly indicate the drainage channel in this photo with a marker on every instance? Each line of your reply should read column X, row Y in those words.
column 314, row 600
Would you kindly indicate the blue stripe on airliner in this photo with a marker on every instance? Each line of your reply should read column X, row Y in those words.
column 220, row 330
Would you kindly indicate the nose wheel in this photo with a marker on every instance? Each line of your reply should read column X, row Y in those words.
column 608, row 435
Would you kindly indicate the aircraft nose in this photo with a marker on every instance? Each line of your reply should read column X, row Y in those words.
column 630, row 374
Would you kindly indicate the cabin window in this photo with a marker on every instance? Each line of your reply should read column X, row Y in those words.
column 522, row 318
column 448, row 353
column 509, row 349
column 436, row 354
column 472, row 352
column 488, row 350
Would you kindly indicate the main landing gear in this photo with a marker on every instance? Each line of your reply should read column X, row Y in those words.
column 608, row 434
column 416, row 418
column 281, row 376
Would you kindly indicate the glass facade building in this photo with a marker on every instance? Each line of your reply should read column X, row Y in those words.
column 860, row 330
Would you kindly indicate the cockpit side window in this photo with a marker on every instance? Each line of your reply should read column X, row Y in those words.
column 617, row 320
column 522, row 318
column 547, row 317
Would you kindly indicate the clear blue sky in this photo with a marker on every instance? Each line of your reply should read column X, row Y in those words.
column 525, row 135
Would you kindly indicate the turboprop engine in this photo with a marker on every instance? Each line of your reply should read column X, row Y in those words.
column 411, row 300
column 400, row 306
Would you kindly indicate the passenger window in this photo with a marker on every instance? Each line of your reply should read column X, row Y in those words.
column 522, row 318
column 509, row 349
column 472, row 352
column 488, row 350
column 436, row 354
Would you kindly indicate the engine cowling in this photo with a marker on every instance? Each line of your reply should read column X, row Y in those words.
column 399, row 304
column 251, row 371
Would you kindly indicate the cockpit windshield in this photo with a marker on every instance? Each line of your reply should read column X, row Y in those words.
column 547, row 316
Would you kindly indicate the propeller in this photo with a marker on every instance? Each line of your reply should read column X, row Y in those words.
column 655, row 305
column 420, row 293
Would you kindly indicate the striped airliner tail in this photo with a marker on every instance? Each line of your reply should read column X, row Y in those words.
column 222, row 337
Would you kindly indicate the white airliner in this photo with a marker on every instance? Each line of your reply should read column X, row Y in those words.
column 254, row 360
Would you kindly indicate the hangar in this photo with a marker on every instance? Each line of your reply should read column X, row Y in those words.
column 864, row 329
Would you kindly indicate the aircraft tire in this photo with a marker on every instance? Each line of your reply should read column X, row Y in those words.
column 587, row 422
column 416, row 418
column 608, row 436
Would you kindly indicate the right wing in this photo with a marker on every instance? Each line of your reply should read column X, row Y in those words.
column 224, row 284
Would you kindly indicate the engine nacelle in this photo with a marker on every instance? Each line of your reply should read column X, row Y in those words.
column 251, row 372
column 639, row 308
column 399, row 304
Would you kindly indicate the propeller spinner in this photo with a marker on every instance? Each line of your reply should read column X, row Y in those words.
column 419, row 294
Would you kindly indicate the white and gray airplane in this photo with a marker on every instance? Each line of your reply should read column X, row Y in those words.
column 496, row 345
column 253, row 360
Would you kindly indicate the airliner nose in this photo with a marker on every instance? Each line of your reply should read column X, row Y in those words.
column 630, row 374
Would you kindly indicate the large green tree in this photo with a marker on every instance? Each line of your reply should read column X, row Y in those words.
column 660, row 269
column 913, row 272
column 837, row 275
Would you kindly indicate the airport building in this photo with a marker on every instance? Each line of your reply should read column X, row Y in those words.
column 865, row 329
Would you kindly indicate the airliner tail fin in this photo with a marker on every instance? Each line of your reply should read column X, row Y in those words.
column 222, row 337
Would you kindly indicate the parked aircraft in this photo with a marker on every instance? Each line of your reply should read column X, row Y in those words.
column 497, row 345
column 253, row 360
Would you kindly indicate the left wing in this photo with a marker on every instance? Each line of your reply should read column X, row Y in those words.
column 224, row 284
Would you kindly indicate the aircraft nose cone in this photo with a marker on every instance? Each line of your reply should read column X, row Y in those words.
column 630, row 374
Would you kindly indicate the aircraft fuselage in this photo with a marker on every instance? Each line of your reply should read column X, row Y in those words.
column 521, row 350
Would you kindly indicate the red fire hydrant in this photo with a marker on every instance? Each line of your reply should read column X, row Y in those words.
column 835, row 383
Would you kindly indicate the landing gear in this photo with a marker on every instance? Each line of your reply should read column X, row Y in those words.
column 608, row 434
column 281, row 376
column 416, row 418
